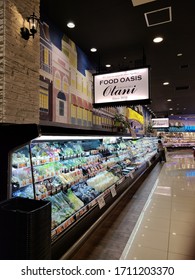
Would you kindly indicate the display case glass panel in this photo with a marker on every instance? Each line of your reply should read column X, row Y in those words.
column 21, row 173
column 73, row 173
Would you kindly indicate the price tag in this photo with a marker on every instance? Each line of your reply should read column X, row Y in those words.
column 131, row 174
column 113, row 191
column 121, row 180
column 101, row 202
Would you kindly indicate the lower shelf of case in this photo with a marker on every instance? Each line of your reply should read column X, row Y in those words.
column 65, row 242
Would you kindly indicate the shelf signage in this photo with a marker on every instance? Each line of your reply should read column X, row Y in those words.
column 131, row 174
column 130, row 86
column 113, row 191
column 160, row 122
column 133, row 115
column 101, row 202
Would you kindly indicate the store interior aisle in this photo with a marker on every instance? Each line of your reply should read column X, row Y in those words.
column 166, row 226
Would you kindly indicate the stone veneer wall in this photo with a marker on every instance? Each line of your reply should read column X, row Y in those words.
column 19, row 63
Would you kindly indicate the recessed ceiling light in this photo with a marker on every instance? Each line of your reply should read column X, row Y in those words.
column 93, row 50
column 71, row 24
column 166, row 83
column 172, row 114
column 169, row 100
column 179, row 54
column 157, row 39
column 108, row 65
column 184, row 108
column 170, row 109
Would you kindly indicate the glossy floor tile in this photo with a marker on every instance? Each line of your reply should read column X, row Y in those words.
column 166, row 226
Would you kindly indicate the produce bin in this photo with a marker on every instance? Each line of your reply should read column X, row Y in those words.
column 25, row 231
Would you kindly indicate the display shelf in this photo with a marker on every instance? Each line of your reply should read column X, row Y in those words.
column 81, row 184
column 79, row 231
column 178, row 139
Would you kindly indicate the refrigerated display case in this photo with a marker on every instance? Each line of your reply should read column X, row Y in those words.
column 182, row 140
column 81, row 175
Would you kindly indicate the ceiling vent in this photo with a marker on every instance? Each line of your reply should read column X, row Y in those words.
column 182, row 88
column 157, row 17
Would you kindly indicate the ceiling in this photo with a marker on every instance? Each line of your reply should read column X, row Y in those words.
column 120, row 32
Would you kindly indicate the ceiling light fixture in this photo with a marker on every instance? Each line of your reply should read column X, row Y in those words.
column 169, row 100
column 179, row 54
column 33, row 25
column 165, row 83
column 108, row 65
column 157, row 39
column 93, row 50
column 71, row 24
column 170, row 109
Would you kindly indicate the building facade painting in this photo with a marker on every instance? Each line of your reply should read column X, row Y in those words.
column 66, row 83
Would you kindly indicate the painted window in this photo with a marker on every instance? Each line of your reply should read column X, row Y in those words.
column 57, row 80
column 44, row 99
column 61, row 108
column 65, row 84
column 62, row 99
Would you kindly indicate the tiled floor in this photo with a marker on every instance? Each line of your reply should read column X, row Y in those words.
column 166, row 226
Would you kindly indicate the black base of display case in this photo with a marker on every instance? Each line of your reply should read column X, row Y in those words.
column 64, row 245
column 25, row 229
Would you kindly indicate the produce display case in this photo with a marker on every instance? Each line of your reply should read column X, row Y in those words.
column 174, row 140
column 81, row 175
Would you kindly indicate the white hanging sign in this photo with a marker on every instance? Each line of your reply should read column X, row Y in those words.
column 131, row 85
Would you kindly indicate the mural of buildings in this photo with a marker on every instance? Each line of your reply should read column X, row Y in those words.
column 65, row 92
column 66, row 85
column 80, row 87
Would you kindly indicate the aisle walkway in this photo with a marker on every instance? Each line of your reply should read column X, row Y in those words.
column 166, row 226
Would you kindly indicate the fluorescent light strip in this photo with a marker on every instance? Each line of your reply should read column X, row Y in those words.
column 58, row 138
